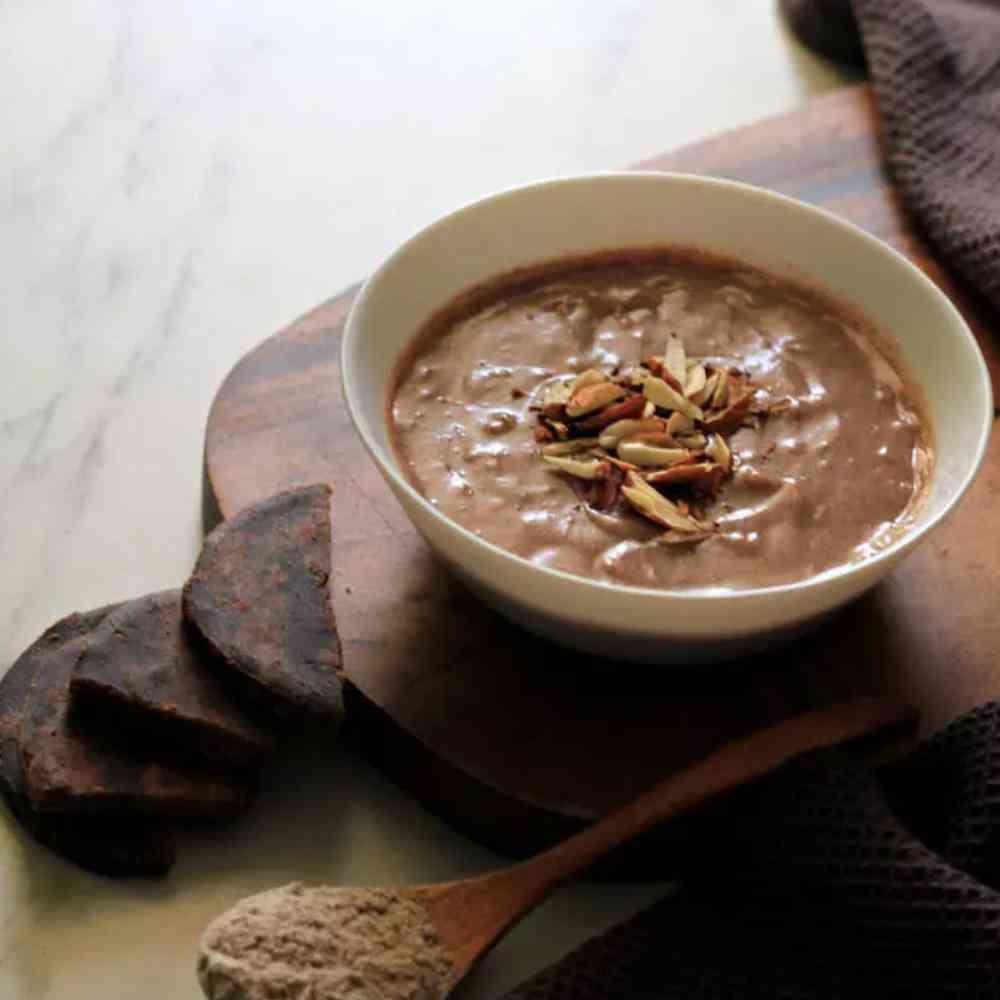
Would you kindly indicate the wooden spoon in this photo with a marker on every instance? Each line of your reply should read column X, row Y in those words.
column 470, row 916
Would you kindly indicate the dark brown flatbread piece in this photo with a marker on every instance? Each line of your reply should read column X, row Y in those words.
column 145, row 671
column 260, row 596
column 116, row 847
column 67, row 770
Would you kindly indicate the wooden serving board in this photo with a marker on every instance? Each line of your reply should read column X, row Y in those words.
column 514, row 740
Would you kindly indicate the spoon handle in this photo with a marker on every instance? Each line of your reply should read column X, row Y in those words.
column 733, row 765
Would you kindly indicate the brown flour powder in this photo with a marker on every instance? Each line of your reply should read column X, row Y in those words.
column 323, row 943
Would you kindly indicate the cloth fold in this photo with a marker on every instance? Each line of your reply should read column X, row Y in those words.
column 836, row 883
column 935, row 67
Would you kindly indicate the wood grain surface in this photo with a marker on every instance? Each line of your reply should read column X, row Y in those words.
column 517, row 741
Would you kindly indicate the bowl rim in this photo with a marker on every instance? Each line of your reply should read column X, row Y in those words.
column 900, row 546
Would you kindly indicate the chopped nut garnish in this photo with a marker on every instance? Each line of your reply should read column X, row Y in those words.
column 703, row 475
column 630, row 407
column 639, row 453
column 679, row 423
column 675, row 360
column 592, row 376
column 696, row 378
column 593, row 397
column 721, row 394
column 695, row 441
column 571, row 446
column 638, row 432
column 593, row 468
column 656, row 506
column 705, row 392
column 622, row 429
column 718, row 451
column 730, row 418
column 665, row 397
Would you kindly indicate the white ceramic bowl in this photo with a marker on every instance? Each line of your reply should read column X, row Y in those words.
column 579, row 215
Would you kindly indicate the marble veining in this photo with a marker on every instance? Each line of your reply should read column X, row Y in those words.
column 179, row 180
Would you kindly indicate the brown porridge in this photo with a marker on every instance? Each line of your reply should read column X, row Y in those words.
column 666, row 419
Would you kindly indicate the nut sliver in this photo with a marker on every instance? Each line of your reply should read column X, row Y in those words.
column 704, row 394
column 659, row 393
column 696, row 379
column 646, row 454
column 656, row 507
column 593, row 397
column 569, row 447
column 675, row 359
column 679, row 424
column 581, row 468
column 592, row 376
column 718, row 451
column 622, row 429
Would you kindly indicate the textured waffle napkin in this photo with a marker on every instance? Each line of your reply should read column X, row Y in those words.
column 935, row 67
column 835, row 883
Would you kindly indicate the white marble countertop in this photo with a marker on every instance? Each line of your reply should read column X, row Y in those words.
column 179, row 180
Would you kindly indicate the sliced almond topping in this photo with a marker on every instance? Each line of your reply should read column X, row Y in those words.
column 655, row 506
column 696, row 378
column 695, row 441
column 703, row 475
column 704, row 394
column 649, row 455
column 661, row 427
column 593, row 397
column 592, row 376
column 624, row 466
column 593, row 468
column 666, row 397
column 622, row 429
column 732, row 417
column 675, row 359
column 718, row 451
column 721, row 395
column 599, row 494
column 627, row 408
column 570, row 447
column 676, row 384
column 653, row 364
column 657, row 438
column 679, row 423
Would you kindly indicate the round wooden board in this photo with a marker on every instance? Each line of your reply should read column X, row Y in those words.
column 519, row 742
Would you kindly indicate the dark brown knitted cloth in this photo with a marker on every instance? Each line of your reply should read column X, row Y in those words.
column 935, row 67
column 836, row 883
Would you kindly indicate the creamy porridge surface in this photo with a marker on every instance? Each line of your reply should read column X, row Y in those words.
column 828, row 476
